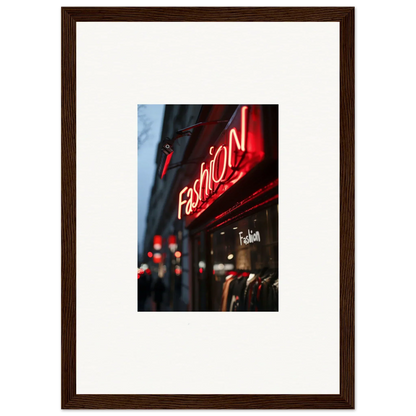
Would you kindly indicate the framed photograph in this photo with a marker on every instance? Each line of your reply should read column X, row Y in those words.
column 207, row 167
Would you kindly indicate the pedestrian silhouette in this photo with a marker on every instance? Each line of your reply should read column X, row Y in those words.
column 142, row 291
column 158, row 291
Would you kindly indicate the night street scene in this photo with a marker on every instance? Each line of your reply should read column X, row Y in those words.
column 208, row 208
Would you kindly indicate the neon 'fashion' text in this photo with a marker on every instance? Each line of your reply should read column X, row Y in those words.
column 214, row 171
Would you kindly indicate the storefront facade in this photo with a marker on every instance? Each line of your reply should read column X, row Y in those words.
column 223, row 211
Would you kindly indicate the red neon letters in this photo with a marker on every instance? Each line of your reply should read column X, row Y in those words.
column 216, row 171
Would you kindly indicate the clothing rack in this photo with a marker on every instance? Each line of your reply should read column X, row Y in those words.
column 242, row 293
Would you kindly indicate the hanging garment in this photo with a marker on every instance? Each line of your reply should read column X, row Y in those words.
column 235, row 299
column 276, row 292
column 248, row 293
column 225, row 289
column 263, row 296
column 253, row 297
column 267, row 296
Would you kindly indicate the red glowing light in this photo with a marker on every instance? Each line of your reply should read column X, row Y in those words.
column 204, row 175
column 165, row 168
column 148, row 271
column 157, row 258
column 224, row 167
column 224, row 163
column 197, row 195
column 190, row 195
column 157, row 242
column 261, row 191
column 181, row 202
column 150, row 254
column 200, row 270
column 172, row 243
column 178, row 254
column 140, row 272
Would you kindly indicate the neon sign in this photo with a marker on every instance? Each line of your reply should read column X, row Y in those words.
column 239, row 148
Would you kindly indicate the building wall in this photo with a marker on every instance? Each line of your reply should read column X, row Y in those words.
column 162, row 213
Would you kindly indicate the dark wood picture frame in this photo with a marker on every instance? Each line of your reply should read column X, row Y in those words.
column 71, row 400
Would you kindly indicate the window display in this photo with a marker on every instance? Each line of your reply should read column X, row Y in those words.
column 245, row 263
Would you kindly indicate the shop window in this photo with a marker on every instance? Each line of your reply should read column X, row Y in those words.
column 244, row 252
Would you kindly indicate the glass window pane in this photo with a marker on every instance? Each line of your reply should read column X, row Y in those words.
column 248, row 245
